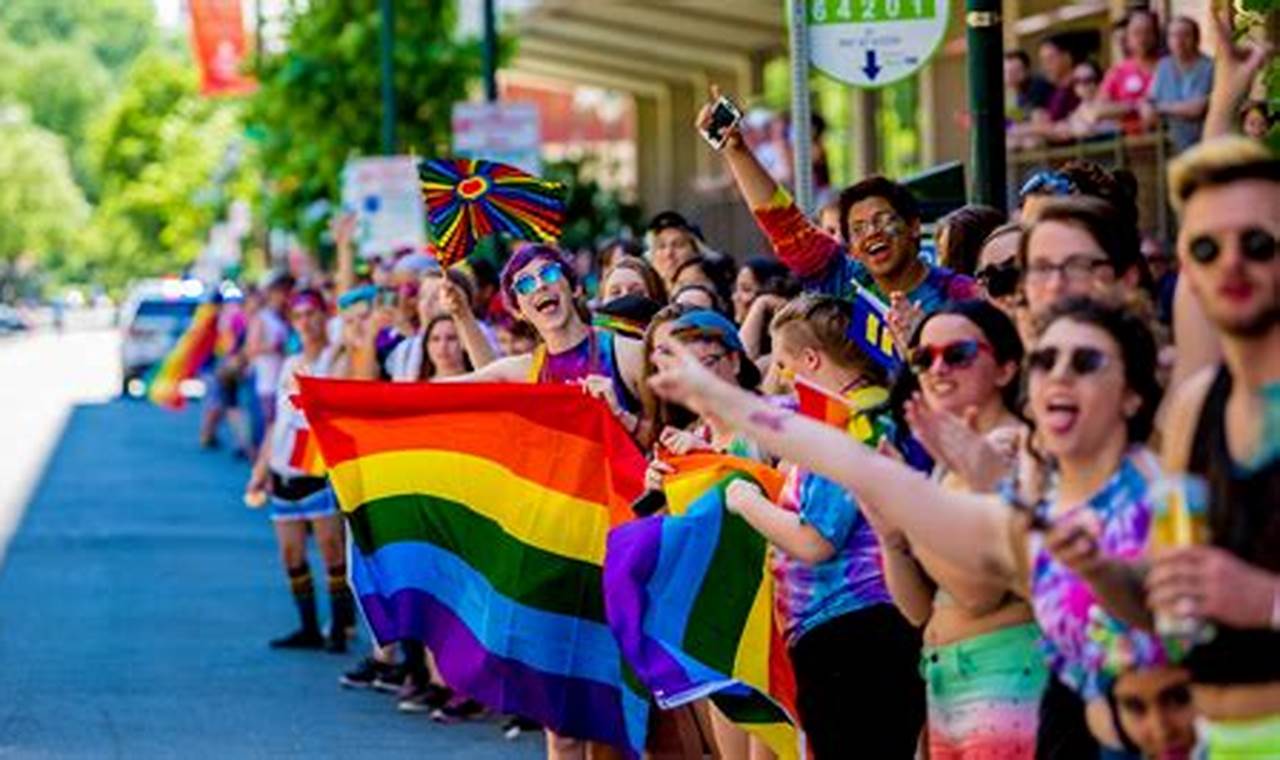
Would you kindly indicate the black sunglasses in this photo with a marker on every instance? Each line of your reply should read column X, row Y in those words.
column 999, row 280
column 1082, row 361
column 1256, row 244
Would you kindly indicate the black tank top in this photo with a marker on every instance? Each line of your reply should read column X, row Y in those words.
column 1244, row 519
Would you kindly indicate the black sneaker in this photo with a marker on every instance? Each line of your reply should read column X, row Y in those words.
column 300, row 639
column 458, row 709
column 423, row 699
column 391, row 680
column 337, row 643
column 365, row 675
column 513, row 727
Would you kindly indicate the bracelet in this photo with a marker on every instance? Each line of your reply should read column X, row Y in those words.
column 1275, row 607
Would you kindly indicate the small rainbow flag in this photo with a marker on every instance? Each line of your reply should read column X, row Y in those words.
column 305, row 455
column 689, row 596
column 849, row 413
column 185, row 359
column 478, row 517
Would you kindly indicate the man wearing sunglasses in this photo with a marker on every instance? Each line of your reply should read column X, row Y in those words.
column 1225, row 428
column 879, row 247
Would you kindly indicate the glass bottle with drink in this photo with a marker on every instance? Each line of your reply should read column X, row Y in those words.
column 1180, row 518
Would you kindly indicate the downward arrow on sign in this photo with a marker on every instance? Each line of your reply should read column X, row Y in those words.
column 870, row 68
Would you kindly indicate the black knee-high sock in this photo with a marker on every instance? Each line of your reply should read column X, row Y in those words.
column 415, row 660
column 341, row 602
column 304, row 595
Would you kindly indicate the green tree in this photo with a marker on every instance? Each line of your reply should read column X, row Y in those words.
column 115, row 30
column 319, row 104
column 154, row 156
column 62, row 84
column 41, row 207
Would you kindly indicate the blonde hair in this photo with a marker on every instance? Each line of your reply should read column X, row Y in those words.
column 1218, row 162
column 822, row 323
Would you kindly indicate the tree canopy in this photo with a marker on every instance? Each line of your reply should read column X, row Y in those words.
column 319, row 103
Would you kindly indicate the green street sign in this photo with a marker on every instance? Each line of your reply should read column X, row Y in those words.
column 873, row 43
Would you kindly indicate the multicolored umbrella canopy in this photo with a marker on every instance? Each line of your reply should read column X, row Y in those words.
column 468, row 200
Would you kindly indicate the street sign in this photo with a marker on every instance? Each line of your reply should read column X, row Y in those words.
column 508, row 133
column 873, row 43
column 383, row 193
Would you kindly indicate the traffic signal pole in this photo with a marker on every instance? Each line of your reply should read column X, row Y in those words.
column 984, row 34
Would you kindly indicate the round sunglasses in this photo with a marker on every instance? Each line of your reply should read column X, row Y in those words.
column 999, row 280
column 1081, row 361
column 550, row 274
column 956, row 355
column 1256, row 244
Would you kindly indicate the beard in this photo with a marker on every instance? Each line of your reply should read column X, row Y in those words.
column 1251, row 326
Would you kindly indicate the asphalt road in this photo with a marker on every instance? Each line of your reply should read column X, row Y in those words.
column 137, row 594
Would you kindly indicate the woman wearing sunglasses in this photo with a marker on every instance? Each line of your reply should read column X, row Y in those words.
column 1092, row 399
column 538, row 286
column 997, row 268
column 983, row 672
column 300, row 501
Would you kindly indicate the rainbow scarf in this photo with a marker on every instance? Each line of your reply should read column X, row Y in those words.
column 690, row 598
column 478, row 517
column 185, row 359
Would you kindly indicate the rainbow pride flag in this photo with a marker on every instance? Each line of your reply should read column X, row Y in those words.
column 185, row 359
column 478, row 516
column 305, row 455
column 689, row 596
column 850, row 412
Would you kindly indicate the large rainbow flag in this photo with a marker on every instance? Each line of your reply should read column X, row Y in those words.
column 478, row 517
column 690, row 598
column 185, row 359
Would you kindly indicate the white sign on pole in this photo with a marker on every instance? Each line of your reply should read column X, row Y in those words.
column 508, row 133
column 873, row 43
column 384, row 194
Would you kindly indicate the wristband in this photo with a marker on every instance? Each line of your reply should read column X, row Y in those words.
column 1275, row 607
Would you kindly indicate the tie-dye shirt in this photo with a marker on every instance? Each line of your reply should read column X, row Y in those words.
column 808, row 595
column 1087, row 647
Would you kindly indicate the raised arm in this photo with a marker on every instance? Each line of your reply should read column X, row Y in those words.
column 799, row 243
column 474, row 341
column 342, row 227
column 971, row 531
column 1235, row 64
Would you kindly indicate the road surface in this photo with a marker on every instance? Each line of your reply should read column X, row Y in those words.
column 138, row 594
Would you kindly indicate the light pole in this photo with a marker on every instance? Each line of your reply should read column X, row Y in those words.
column 490, row 53
column 984, row 31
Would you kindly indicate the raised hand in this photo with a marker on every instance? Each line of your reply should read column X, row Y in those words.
column 453, row 300
column 903, row 318
column 957, row 444
column 1235, row 64
column 733, row 135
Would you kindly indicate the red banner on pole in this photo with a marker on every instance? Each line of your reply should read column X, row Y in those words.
column 220, row 47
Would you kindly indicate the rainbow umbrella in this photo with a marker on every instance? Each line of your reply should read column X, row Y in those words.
column 470, row 199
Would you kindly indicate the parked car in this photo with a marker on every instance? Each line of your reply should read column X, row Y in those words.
column 153, row 318
column 11, row 321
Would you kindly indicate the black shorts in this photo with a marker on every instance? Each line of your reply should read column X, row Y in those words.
column 295, row 489
column 858, row 686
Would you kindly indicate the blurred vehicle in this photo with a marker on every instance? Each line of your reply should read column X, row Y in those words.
column 153, row 317
column 11, row 321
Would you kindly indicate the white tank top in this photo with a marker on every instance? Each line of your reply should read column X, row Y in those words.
column 290, row 429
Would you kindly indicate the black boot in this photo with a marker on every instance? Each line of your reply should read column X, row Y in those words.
column 342, row 609
column 304, row 595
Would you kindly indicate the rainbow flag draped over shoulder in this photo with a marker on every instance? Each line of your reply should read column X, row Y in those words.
column 185, row 359
column 478, row 516
column 689, row 596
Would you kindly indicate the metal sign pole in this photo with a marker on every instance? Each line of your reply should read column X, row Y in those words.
column 801, row 126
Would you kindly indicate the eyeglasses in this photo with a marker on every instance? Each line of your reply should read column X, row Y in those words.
column 1082, row 360
column 886, row 221
column 999, row 280
column 550, row 274
column 1084, row 80
column 1074, row 269
column 1047, row 183
column 1256, row 245
column 711, row 360
column 957, row 355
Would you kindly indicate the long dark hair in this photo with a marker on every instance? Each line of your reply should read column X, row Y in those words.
column 429, row 369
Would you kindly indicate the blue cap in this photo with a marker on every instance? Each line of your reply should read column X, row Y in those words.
column 710, row 325
column 357, row 295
